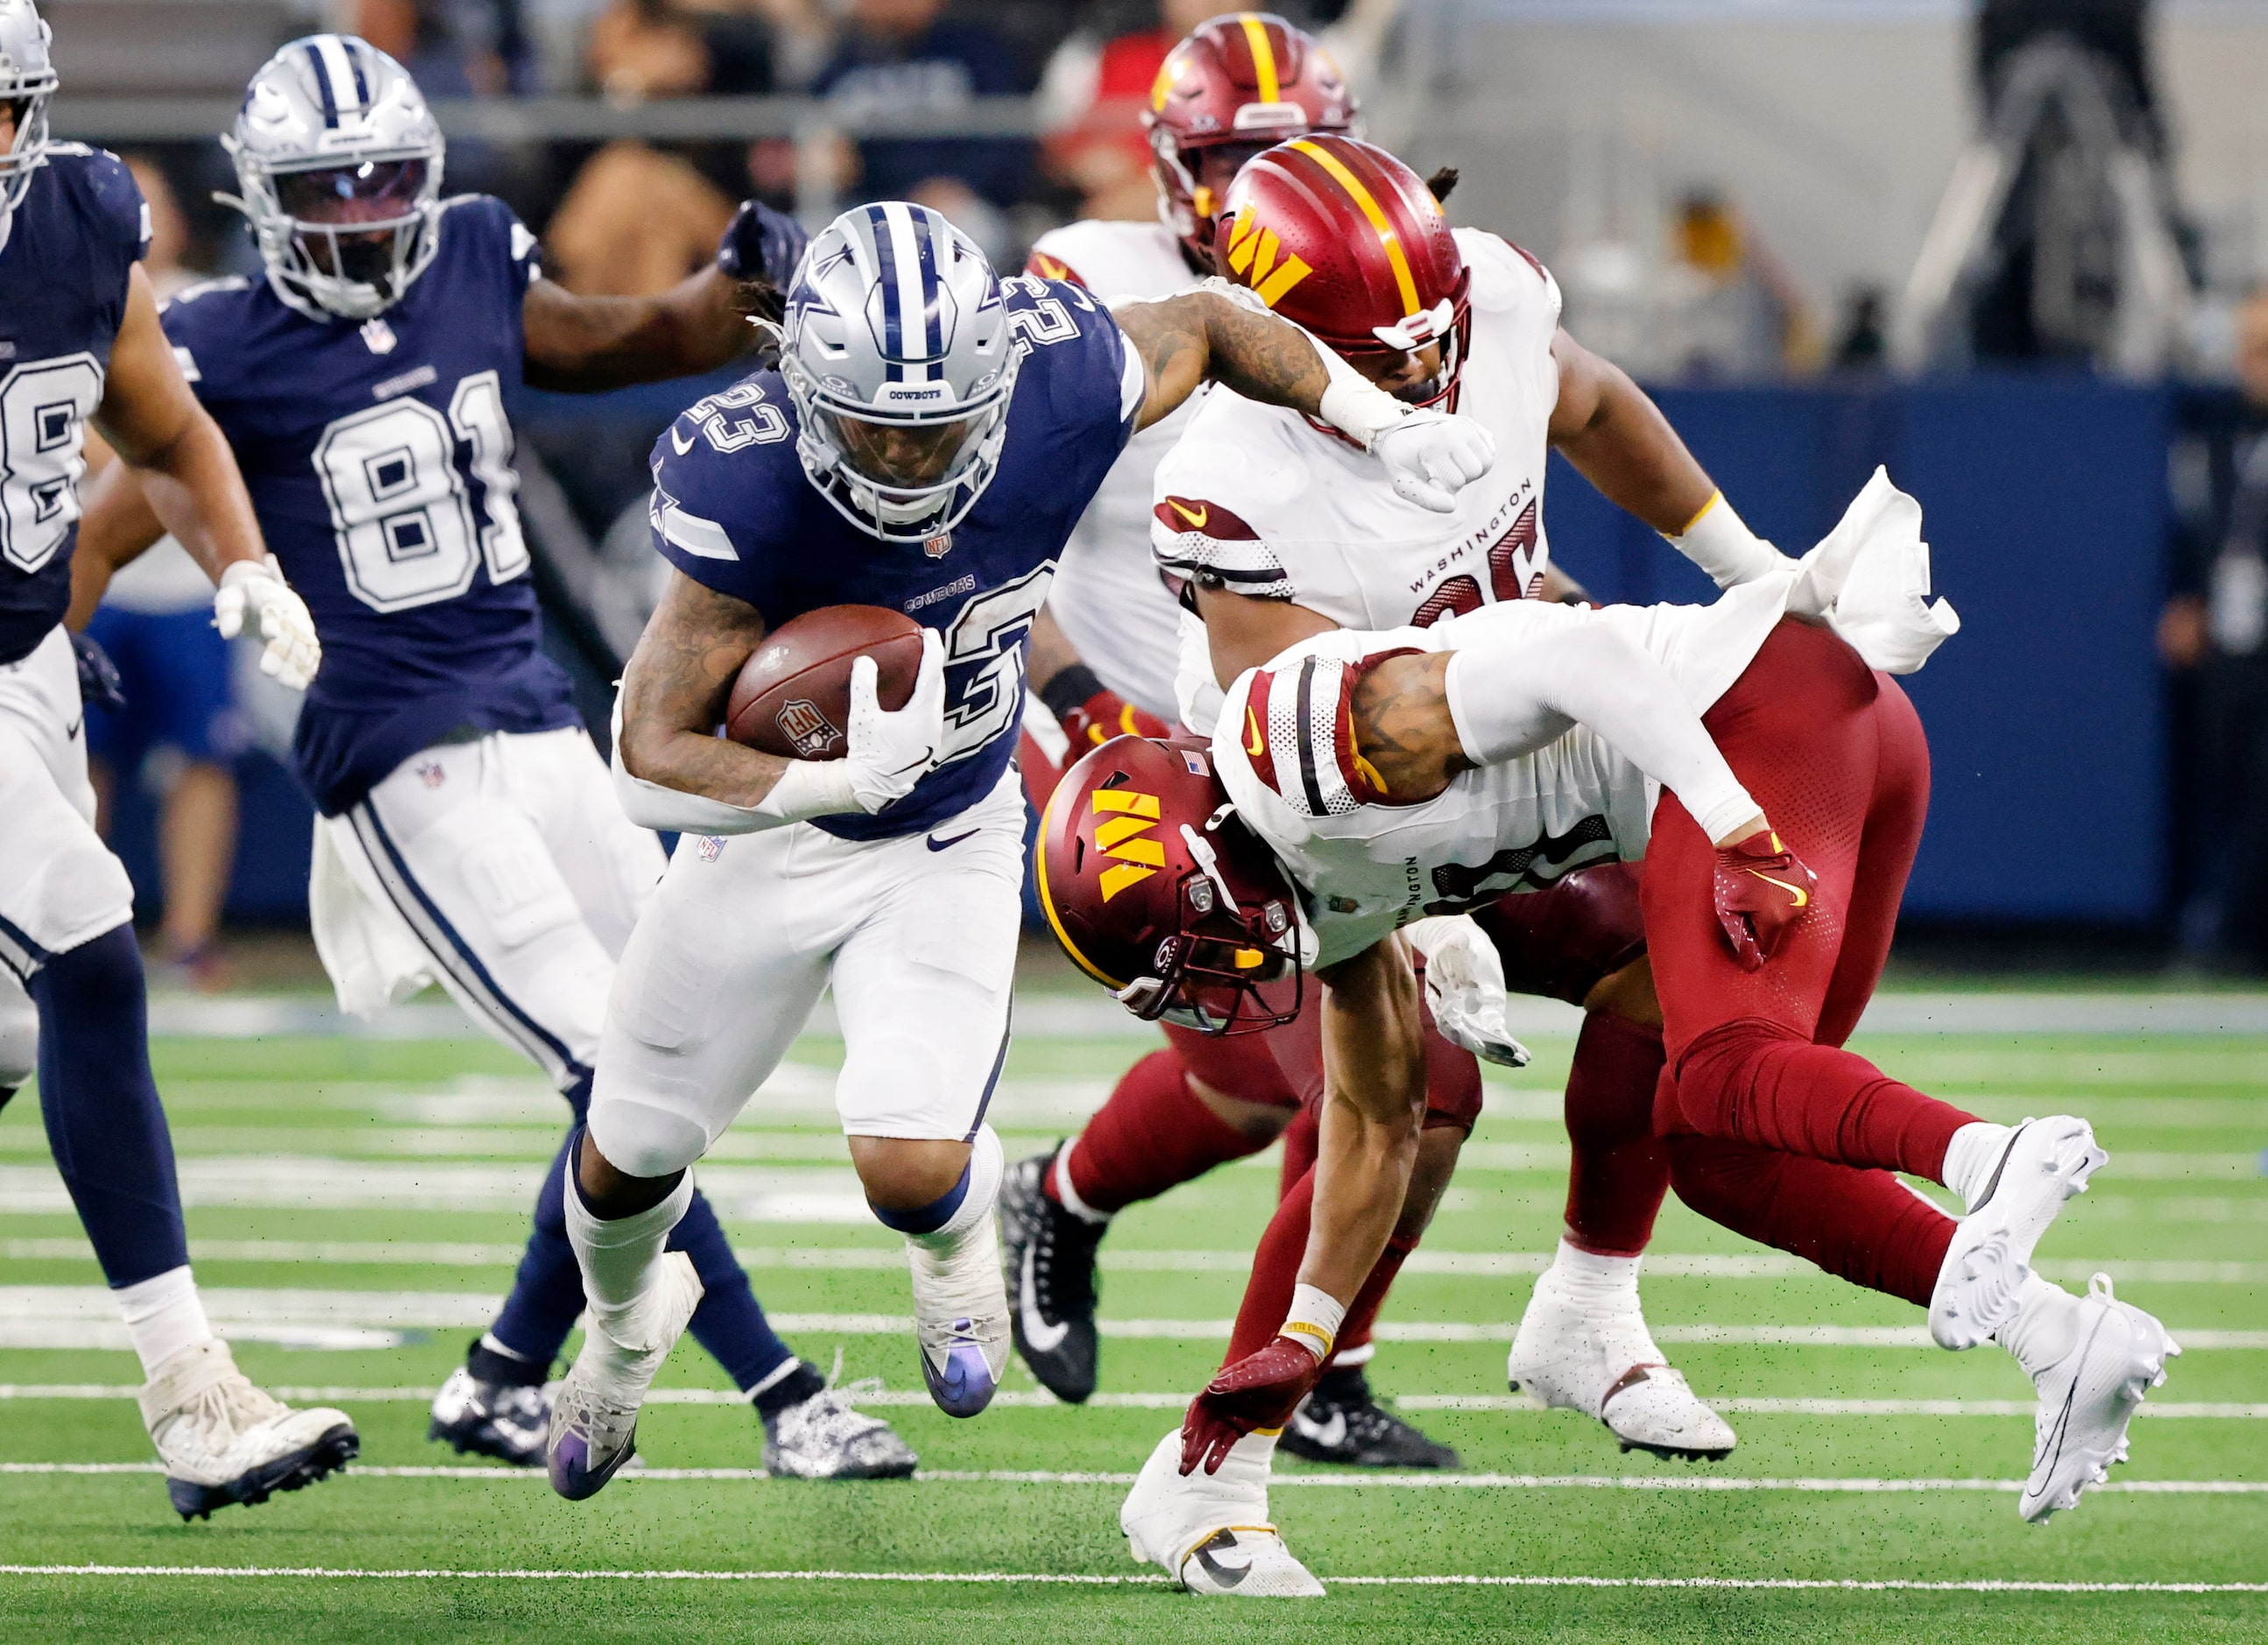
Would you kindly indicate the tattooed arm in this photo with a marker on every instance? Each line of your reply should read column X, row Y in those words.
column 674, row 695
column 583, row 344
column 1202, row 336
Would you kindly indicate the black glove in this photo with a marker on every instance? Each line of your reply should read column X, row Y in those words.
column 761, row 244
column 99, row 684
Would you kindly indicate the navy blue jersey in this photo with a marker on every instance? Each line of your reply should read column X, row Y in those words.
column 72, row 243
column 732, row 510
column 378, row 458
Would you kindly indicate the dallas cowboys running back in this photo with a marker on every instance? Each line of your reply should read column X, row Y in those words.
column 79, row 343
column 468, row 835
column 932, row 436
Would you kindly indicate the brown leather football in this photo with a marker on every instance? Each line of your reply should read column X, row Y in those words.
column 793, row 695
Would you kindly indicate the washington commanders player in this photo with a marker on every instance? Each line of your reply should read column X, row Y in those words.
column 1776, row 784
column 1184, row 1110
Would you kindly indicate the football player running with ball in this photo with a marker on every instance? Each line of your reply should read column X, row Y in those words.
column 80, row 343
column 468, row 832
column 932, row 436
column 1775, row 783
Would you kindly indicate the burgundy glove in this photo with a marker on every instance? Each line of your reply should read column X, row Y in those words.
column 1763, row 889
column 1260, row 1391
column 1091, row 713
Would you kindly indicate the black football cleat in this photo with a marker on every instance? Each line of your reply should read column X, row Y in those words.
column 1047, row 1256
column 1341, row 1422
column 493, row 1406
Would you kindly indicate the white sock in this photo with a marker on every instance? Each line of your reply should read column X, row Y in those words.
column 1067, row 1195
column 1590, row 1277
column 987, row 1162
column 2045, row 1326
column 163, row 1316
column 1972, row 1156
column 618, row 1256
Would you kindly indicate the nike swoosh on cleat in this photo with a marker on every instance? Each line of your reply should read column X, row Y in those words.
column 935, row 844
column 1330, row 1435
column 1041, row 1337
column 1999, row 1165
column 1226, row 1575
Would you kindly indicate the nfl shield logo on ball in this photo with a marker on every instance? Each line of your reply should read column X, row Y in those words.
column 806, row 730
column 938, row 547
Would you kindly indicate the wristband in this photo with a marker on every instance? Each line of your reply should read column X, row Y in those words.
column 1314, row 1320
column 1719, row 541
column 1070, row 690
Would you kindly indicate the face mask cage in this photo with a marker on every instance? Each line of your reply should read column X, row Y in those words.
column 352, row 264
column 1221, row 973
column 27, row 99
column 1455, row 339
column 906, row 514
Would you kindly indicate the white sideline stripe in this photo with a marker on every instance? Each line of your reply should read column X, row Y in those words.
column 1453, row 1264
column 325, row 1393
column 26, row 1309
column 1845, row 1584
column 1282, row 1481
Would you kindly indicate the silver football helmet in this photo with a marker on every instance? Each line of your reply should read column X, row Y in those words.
column 897, row 352
column 27, row 80
column 338, row 166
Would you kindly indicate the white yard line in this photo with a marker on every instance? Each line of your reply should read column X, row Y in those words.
column 1451, row 1264
column 25, row 1310
column 325, row 1393
column 1846, row 1584
column 1294, row 1480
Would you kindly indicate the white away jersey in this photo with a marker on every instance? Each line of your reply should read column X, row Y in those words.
column 1255, row 499
column 1285, row 751
column 1107, row 594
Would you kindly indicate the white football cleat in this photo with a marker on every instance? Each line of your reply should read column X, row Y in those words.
column 595, row 1414
column 2046, row 1161
column 223, row 1440
column 1211, row 1531
column 1600, row 1359
column 2088, row 1397
column 961, row 1318
column 825, row 1438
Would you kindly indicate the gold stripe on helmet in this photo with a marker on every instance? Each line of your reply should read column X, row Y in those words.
column 1263, row 56
column 1368, row 201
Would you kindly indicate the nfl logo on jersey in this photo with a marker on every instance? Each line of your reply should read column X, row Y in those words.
column 808, row 731
column 938, row 547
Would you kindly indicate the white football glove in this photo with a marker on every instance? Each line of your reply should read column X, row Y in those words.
column 292, row 654
column 1430, row 455
column 1464, row 989
column 889, row 751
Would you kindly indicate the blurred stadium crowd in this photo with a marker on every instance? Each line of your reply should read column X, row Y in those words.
column 2061, row 244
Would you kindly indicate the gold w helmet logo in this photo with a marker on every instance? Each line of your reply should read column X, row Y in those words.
column 1255, row 255
column 1123, row 836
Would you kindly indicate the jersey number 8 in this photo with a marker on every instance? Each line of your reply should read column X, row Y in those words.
column 44, row 406
column 399, row 503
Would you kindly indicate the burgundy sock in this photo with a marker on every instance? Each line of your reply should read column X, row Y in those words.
column 1750, row 1081
column 1154, row 1134
column 1303, row 1139
column 1864, row 1226
column 1275, row 1272
column 1620, row 1170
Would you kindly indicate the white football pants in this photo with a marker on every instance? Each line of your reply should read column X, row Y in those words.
column 503, row 869
column 917, row 936
column 59, row 883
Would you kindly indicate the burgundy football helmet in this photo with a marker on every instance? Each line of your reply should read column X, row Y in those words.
column 1339, row 236
column 1235, row 87
column 1158, row 890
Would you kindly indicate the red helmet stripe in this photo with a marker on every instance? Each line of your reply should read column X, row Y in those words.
column 1369, row 203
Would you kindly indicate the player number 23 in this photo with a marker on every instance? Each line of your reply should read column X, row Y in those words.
column 407, row 531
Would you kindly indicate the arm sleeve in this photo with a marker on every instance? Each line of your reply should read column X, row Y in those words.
column 1516, row 691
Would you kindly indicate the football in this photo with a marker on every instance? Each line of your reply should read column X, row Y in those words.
column 793, row 696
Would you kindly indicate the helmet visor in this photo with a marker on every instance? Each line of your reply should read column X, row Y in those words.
column 373, row 192
column 903, row 456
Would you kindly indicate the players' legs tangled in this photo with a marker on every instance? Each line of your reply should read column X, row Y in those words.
column 64, row 933
column 1834, row 755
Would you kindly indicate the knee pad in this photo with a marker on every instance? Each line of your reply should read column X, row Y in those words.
column 640, row 1140
column 1560, row 943
column 19, row 1034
